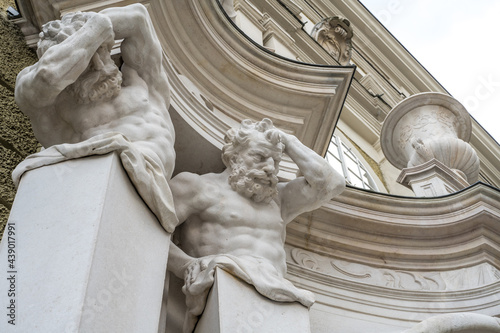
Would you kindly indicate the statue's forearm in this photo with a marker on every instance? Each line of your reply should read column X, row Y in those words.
column 315, row 169
column 140, row 46
column 62, row 64
column 178, row 261
column 65, row 62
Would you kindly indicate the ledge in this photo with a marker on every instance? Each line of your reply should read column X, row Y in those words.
column 385, row 305
column 449, row 232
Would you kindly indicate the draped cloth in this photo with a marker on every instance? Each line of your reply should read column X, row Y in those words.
column 256, row 271
column 144, row 170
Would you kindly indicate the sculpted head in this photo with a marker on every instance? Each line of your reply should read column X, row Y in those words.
column 253, row 152
column 55, row 32
column 102, row 79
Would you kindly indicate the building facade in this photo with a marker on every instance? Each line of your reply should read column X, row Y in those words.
column 381, row 257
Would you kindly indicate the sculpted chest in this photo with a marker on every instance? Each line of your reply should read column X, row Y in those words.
column 235, row 210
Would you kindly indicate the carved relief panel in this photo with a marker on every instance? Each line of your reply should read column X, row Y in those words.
column 452, row 280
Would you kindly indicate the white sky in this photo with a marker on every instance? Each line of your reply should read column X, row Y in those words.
column 458, row 42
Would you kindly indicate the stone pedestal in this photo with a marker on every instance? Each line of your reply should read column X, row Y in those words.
column 87, row 255
column 432, row 179
column 234, row 306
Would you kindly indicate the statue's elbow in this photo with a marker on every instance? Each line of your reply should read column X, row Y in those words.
column 139, row 12
column 24, row 92
column 335, row 185
column 37, row 88
column 45, row 77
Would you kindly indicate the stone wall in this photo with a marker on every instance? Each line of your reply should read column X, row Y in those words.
column 16, row 136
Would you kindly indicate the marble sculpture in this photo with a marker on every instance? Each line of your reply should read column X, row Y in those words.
column 81, row 103
column 236, row 219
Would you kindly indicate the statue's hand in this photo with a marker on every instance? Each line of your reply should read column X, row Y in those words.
column 284, row 138
column 105, row 23
column 195, row 267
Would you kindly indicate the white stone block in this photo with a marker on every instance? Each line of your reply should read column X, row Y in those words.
column 234, row 306
column 89, row 254
column 432, row 179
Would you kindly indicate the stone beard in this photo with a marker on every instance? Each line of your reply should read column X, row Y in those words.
column 256, row 184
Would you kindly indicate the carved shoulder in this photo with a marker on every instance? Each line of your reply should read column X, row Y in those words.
column 184, row 184
column 192, row 194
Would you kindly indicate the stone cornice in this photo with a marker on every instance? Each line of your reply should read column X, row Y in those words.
column 405, row 306
column 429, row 169
column 488, row 151
column 242, row 79
column 379, row 45
column 440, row 233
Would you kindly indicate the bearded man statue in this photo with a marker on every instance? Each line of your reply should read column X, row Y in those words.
column 81, row 103
column 236, row 219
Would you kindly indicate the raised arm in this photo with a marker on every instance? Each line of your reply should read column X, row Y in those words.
column 140, row 48
column 39, row 85
column 319, row 183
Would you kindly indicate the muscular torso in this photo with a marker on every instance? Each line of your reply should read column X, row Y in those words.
column 139, row 112
column 232, row 224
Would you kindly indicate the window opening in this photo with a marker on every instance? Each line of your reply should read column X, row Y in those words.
column 341, row 157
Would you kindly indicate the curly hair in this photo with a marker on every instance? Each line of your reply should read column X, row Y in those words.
column 55, row 32
column 236, row 139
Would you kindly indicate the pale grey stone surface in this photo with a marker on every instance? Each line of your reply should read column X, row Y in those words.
column 89, row 256
column 227, row 312
column 334, row 34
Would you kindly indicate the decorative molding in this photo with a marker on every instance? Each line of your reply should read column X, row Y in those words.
column 337, row 296
column 451, row 280
column 432, row 178
column 251, row 13
column 405, row 233
column 377, row 87
column 273, row 29
column 291, row 6
column 488, row 152
column 458, row 323
column 270, row 28
column 228, row 6
column 334, row 35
